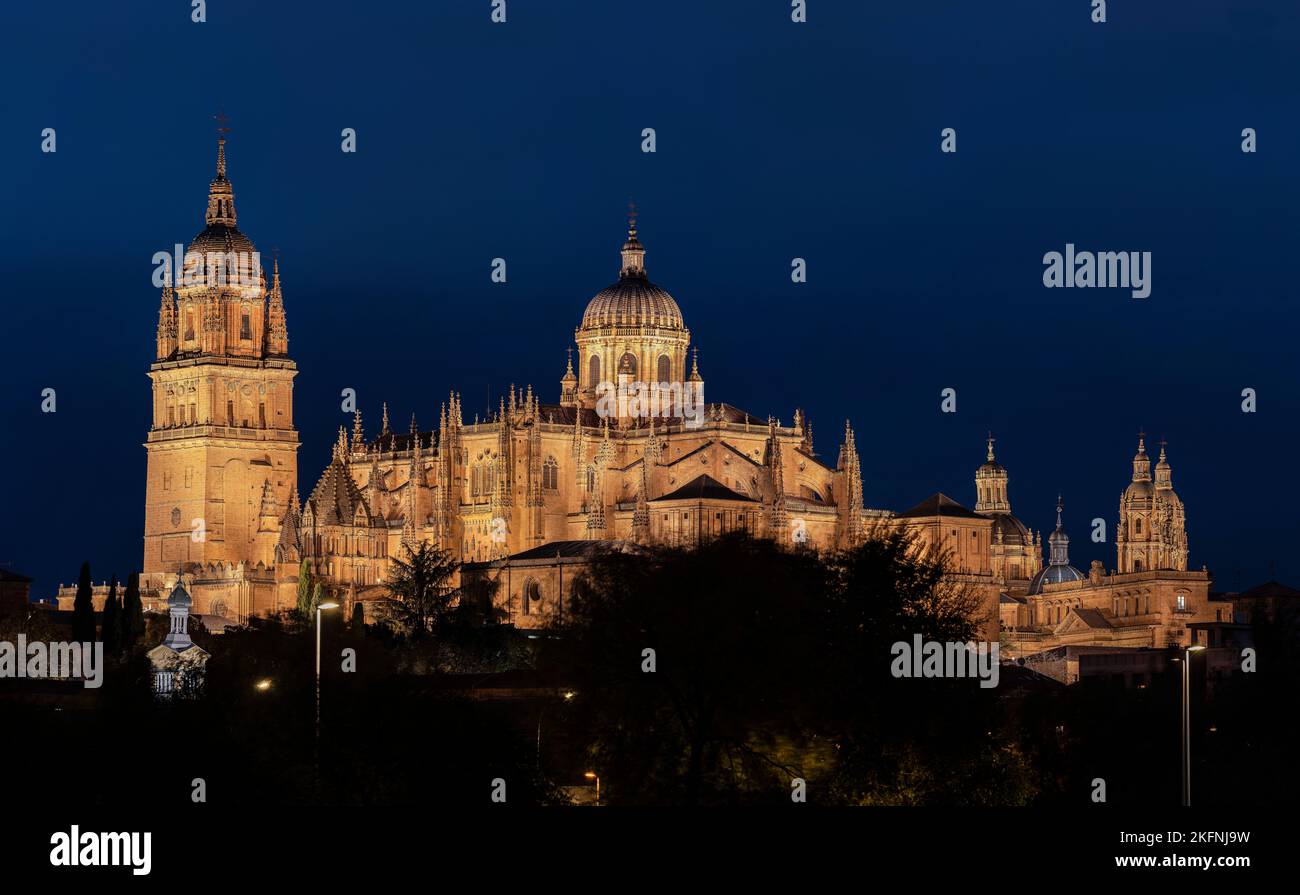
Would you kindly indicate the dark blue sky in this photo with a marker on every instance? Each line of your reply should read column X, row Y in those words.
column 775, row 140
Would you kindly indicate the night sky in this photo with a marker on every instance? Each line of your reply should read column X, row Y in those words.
column 775, row 141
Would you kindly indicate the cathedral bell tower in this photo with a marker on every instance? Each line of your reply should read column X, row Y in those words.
column 222, row 450
column 1152, row 531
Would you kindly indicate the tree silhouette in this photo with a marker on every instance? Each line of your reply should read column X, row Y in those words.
column 304, row 591
column 770, row 665
column 132, row 624
column 422, row 583
column 83, row 608
column 110, row 622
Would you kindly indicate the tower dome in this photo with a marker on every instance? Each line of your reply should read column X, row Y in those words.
column 1141, row 486
column 1058, row 570
column 632, row 333
column 633, row 300
column 221, row 238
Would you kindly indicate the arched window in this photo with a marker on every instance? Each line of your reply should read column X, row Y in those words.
column 665, row 368
column 550, row 474
column 245, row 324
column 1137, row 525
column 627, row 365
column 593, row 376
column 532, row 595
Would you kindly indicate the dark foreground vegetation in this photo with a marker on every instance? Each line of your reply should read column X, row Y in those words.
column 769, row 668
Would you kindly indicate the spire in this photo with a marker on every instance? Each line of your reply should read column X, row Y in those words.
column 776, row 520
column 1058, row 542
column 358, row 434
column 990, row 454
column 167, row 323
column 384, row 430
column 633, row 252
column 221, row 196
column 277, row 342
column 695, row 366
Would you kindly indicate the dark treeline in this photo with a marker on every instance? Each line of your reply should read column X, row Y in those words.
column 770, row 667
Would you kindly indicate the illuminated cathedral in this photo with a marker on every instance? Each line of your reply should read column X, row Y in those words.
column 222, row 505
column 525, row 496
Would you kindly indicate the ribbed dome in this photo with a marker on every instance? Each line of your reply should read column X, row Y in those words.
column 1013, row 530
column 633, row 301
column 221, row 238
column 1054, row 574
column 1139, row 489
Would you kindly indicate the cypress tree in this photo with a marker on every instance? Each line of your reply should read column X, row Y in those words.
column 358, row 616
column 83, row 609
column 304, row 590
column 132, row 624
column 110, row 630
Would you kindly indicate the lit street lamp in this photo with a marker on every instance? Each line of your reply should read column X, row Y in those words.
column 316, row 741
column 325, row 605
column 592, row 775
column 1186, row 725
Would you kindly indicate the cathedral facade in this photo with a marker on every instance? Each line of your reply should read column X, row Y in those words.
column 631, row 453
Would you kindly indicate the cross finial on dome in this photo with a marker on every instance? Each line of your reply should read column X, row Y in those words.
column 631, row 219
column 1142, row 440
column 223, row 128
column 991, row 440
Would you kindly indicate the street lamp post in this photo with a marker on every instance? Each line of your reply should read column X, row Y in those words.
column 328, row 605
column 592, row 775
column 1187, row 722
column 316, row 740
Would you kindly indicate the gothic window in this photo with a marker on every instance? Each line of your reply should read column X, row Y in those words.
column 1137, row 525
column 591, row 478
column 593, row 375
column 665, row 368
column 189, row 324
column 550, row 474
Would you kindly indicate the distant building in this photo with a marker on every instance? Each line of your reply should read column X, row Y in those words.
column 15, row 593
column 178, row 663
column 1264, row 601
column 66, row 597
